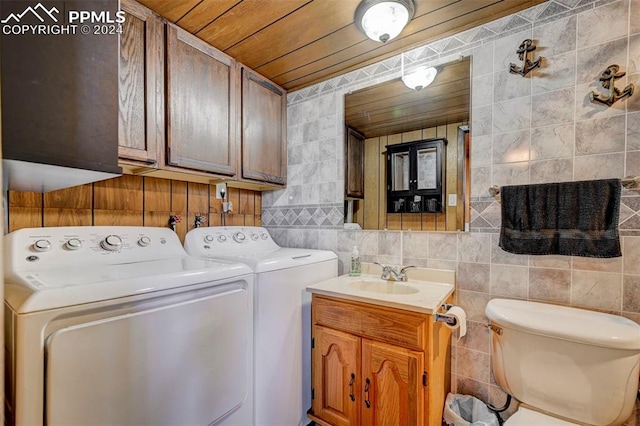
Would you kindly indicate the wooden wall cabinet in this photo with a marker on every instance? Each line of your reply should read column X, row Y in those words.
column 141, row 88
column 201, row 106
column 263, row 129
column 190, row 112
column 373, row 365
column 354, row 173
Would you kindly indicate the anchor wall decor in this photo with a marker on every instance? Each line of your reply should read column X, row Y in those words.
column 523, row 53
column 608, row 80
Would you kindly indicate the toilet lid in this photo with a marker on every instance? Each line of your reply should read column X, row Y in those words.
column 526, row 417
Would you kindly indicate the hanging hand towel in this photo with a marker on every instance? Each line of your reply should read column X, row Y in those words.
column 567, row 218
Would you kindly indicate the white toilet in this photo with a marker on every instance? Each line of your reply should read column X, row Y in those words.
column 566, row 366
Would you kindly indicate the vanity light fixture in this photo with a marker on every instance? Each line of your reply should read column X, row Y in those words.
column 382, row 20
column 419, row 77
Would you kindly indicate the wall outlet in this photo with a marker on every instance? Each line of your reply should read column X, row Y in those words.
column 221, row 191
column 453, row 200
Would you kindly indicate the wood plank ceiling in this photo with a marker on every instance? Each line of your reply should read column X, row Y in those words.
column 297, row 43
column 391, row 107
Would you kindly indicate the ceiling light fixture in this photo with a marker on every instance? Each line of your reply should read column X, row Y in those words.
column 382, row 20
column 419, row 77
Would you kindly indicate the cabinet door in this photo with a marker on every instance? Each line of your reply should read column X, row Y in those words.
column 264, row 148
column 201, row 105
column 141, row 88
column 393, row 391
column 354, row 175
column 336, row 377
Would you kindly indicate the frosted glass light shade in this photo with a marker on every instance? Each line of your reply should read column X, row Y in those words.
column 419, row 78
column 383, row 20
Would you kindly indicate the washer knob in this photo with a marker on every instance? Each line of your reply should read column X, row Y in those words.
column 222, row 238
column 239, row 237
column 144, row 241
column 254, row 237
column 208, row 238
column 264, row 236
column 111, row 243
column 42, row 245
column 73, row 244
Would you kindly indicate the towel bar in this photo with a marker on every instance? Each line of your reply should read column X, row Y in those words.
column 628, row 182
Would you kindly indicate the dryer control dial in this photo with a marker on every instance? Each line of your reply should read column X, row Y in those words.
column 42, row 245
column 239, row 237
column 111, row 243
column 73, row 244
column 222, row 238
column 208, row 238
column 254, row 237
column 144, row 241
column 264, row 236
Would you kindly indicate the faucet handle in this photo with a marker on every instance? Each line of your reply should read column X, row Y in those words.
column 404, row 268
column 386, row 271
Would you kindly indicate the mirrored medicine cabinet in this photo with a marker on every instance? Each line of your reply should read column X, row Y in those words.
column 407, row 153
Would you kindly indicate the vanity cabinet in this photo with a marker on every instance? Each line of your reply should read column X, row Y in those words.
column 141, row 86
column 263, row 129
column 374, row 365
column 415, row 176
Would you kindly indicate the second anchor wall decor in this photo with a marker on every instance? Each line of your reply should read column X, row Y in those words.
column 523, row 51
column 608, row 80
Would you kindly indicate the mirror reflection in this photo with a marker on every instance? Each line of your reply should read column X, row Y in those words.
column 407, row 153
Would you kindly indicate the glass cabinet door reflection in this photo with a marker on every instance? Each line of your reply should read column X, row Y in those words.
column 427, row 168
column 400, row 164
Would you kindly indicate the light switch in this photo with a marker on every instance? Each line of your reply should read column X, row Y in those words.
column 453, row 200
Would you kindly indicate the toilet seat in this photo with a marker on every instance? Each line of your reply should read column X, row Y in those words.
column 527, row 417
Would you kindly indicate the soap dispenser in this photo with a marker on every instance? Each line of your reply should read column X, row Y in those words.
column 356, row 267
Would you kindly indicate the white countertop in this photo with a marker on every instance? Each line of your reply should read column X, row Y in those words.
column 425, row 291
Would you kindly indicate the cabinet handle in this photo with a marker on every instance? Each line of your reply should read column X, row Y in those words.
column 366, row 393
column 351, row 395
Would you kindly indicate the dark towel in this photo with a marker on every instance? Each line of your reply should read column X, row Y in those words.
column 568, row 218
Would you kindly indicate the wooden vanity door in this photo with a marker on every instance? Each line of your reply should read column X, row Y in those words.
column 393, row 390
column 336, row 377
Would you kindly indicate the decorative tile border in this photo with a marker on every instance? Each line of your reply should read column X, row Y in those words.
column 526, row 19
column 304, row 216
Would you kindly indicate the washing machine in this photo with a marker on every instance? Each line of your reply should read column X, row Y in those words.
column 282, row 313
column 119, row 326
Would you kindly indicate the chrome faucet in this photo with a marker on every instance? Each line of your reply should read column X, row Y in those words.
column 391, row 274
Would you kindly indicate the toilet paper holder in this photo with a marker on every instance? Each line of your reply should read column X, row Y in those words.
column 443, row 317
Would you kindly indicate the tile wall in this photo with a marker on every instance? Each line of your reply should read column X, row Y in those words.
column 541, row 128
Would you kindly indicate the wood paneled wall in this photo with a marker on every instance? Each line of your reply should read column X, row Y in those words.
column 371, row 212
column 133, row 201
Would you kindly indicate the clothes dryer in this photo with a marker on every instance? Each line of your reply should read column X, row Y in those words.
column 282, row 313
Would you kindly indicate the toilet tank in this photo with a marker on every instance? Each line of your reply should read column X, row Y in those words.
column 572, row 363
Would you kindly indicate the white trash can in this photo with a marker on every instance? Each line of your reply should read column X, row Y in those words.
column 466, row 410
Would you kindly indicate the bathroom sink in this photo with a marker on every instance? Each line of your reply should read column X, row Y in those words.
column 383, row 287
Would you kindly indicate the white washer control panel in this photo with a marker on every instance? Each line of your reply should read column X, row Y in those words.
column 228, row 240
column 73, row 245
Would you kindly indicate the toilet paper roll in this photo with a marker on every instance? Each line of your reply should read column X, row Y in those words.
column 461, row 324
